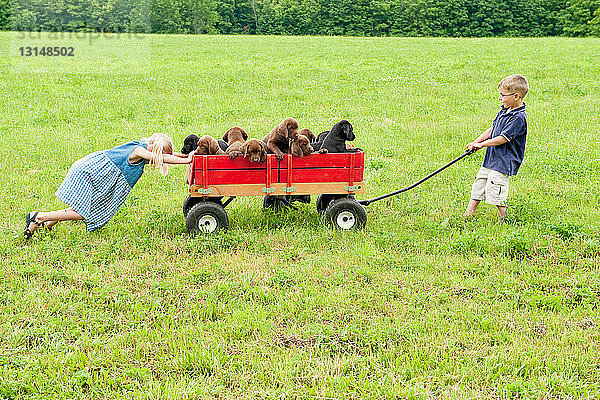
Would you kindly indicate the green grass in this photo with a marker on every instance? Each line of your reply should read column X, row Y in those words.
column 421, row 304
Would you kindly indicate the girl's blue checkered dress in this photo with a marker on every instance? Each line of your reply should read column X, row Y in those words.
column 98, row 184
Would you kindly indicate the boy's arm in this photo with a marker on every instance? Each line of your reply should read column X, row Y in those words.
column 498, row 140
column 485, row 135
column 481, row 139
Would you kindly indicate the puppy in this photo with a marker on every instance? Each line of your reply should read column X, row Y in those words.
column 223, row 144
column 308, row 133
column 322, row 136
column 255, row 150
column 335, row 140
column 190, row 143
column 278, row 140
column 235, row 138
column 301, row 147
column 208, row 145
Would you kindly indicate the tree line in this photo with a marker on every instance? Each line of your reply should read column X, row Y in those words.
column 454, row 18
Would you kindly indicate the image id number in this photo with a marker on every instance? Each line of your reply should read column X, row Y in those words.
column 55, row 51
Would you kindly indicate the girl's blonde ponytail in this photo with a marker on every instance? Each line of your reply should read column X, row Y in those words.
column 161, row 144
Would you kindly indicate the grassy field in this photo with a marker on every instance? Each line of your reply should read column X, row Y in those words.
column 420, row 305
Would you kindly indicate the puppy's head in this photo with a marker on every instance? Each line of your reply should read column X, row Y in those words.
column 301, row 146
column 213, row 146
column 235, row 134
column 189, row 144
column 255, row 150
column 204, row 145
column 347, row 130
column 308, row 133
column 288, row 128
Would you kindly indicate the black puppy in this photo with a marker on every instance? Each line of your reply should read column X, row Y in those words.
column 223, row 144
column 322, row 136
column 335, row 140
column 190, row 143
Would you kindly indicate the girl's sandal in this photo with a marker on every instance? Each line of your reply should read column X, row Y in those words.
column 29, row 219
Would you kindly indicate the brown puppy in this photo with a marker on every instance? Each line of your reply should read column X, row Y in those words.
column 255, row 150
column 308, row 133
column 301, row 147
column 278, row 140
column 235, row 138
column 208, row 145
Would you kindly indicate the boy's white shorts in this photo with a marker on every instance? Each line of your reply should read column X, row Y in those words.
column 491, row 186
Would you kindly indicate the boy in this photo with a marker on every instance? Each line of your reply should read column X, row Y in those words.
column 505, row 142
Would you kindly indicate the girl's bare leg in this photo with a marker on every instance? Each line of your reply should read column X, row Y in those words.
column 51, row 218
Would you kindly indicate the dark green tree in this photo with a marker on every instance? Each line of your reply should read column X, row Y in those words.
column 581, row 18
column 201, row 16
column 4, row 15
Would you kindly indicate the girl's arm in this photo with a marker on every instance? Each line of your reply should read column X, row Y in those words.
column 179, row 154
column 172, row 159
column 141, row 152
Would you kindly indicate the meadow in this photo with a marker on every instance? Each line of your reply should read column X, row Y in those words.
column 421, row 304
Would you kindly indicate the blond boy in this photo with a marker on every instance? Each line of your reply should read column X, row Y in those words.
column 505, row 141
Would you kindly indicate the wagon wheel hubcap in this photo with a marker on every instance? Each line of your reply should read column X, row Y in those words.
column 345, row 220
column 207, row 224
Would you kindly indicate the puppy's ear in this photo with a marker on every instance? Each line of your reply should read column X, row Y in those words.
column 201, row 147
column 213, row 147
column 283, row 129
column 244, row 134
column 263, row 152
column 296, row 150
column 350, row 132
column 292, row 127
column 244, row 149
column 226, row 135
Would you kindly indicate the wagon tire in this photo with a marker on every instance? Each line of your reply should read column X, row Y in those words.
column 190, row 202
column 346, row 214
column 323, row 200
column 206, row 217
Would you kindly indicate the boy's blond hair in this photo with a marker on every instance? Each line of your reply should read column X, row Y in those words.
column 515, row 83
column 161, row 144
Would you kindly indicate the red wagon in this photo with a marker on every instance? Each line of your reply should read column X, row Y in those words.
column 335, row 178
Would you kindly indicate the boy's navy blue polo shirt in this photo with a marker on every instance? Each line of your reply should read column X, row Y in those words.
column 507, row 158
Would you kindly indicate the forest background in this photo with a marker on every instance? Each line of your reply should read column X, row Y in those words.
column 457, row 18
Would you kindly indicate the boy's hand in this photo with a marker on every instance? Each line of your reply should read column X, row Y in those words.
column 474, row 146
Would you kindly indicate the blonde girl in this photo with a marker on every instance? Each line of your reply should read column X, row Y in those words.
column 97, row 185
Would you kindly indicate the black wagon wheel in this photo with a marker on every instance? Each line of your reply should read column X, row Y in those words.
column 275, row 203
column 346, row 214
column 206, row 217
column 323, row 200
column 190, row 202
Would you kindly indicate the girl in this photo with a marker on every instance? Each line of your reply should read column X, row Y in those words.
column 97, row 185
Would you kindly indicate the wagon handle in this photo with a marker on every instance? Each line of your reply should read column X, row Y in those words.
column 385, row 196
